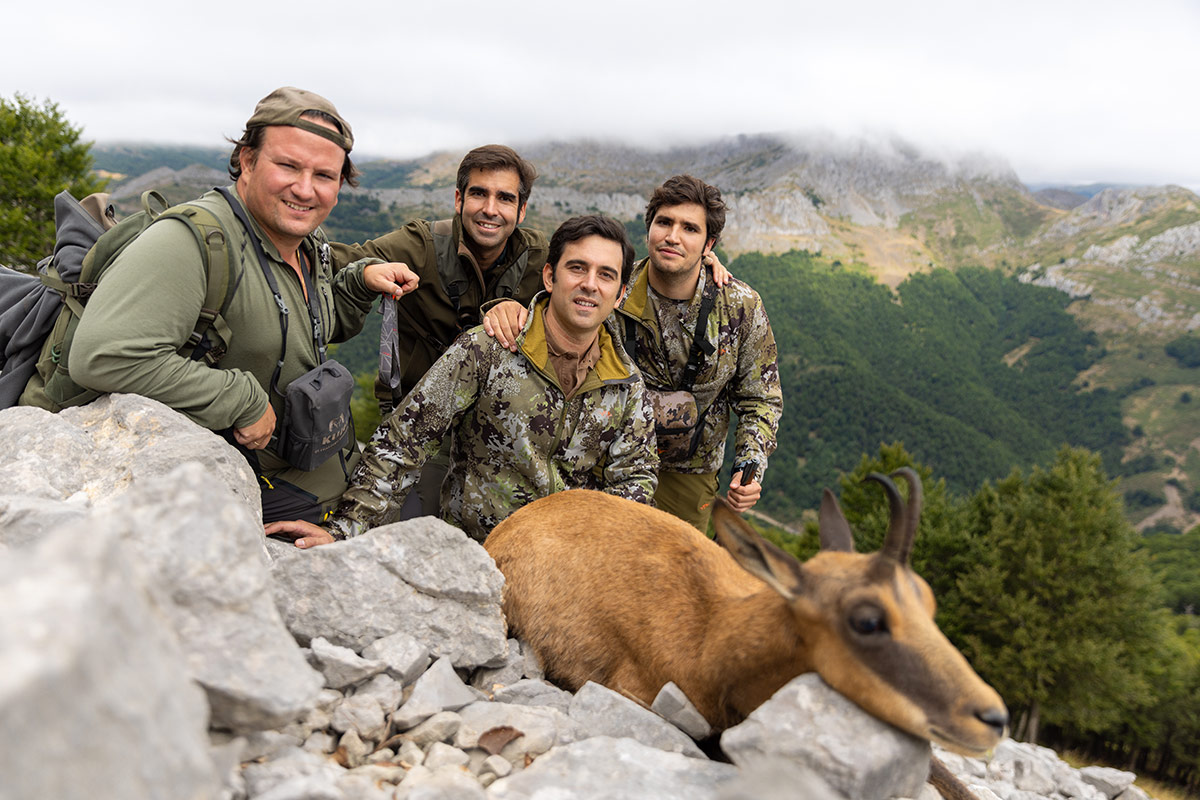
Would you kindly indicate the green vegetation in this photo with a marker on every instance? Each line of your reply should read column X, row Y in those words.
column 1185, row 350
column 1058, row 603
column 973, row 371
column 132, row 160
column 40, row 156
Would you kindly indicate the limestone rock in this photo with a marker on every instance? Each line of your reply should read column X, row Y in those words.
column 202, row 554
column 405, row 657
column 99, row 450
column 540, row 728
column 603, row 712
column 341, row 666
column 439, row 689
column 95, row 699
column 674, row 706
column 420, row 576
column 856, row 754
column 604, row 768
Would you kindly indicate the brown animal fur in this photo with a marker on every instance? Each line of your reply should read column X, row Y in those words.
column 607, row 590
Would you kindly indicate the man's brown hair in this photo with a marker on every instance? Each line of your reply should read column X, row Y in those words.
column 497, row 156
column 577, row 228
column 686, row 189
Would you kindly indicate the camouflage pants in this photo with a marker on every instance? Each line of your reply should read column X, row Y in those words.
column 688, row 497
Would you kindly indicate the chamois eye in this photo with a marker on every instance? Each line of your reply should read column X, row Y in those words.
column 868, row 621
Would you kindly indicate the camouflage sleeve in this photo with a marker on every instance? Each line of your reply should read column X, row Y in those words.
column 408, row 437
column 756, row 393
column 632, row 469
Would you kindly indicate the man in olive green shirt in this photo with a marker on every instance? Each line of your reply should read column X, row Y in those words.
column 288, row 167
column 463, row 263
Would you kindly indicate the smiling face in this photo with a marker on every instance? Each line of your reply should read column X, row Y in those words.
column 584, row 287
column 490, row 210
column 291, row 183
column 677, row 240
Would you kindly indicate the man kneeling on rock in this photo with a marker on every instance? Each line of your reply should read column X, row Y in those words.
column 565, row 411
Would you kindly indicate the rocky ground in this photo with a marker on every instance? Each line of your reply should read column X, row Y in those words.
column 156, row 646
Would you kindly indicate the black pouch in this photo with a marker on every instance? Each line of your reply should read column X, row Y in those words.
column 316, row 416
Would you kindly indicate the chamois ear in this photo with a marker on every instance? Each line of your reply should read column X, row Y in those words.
column 835, row 531
column 779, row 570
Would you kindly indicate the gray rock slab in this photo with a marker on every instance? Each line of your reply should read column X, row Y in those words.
column 386, row 690
column 24, row 520
column 1111, row 782
column 421, row 576
column 489, row 679
column 540, row 728
column 405, row 657
column 534, row 692
column 101, row 449
column 446, row 783
column 201, row 551
column 341, row 666
column 441, row 754
column 438, row 728
column 603, row 712
column 95, row 699
column 774, row 778
column 606, row 768
column 292, row 768
column 362, row 714
column 439, row 689
column 674, row 706
column 856, row 754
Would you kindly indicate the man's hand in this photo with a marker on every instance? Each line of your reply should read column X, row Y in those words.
column 742, row 498
column 305, row 534
column 393, row 279
column 721, row 276
column 258, row 435
column 504, row 321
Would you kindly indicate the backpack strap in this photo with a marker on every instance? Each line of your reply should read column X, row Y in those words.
column 701, row 346
column 217, row 254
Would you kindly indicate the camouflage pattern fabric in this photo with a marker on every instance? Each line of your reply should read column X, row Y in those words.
column 513, row 436
column 742, row 376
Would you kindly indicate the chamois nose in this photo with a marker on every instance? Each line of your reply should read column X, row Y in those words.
column 996, row 718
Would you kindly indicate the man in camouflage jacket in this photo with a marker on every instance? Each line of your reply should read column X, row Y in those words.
column 476, row 257
column 565, row 411
column 737, row 370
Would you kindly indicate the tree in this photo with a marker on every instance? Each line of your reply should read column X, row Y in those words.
column 40, row 156
column 1060, row 609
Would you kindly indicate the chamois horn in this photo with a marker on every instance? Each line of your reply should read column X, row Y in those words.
column 902, row 527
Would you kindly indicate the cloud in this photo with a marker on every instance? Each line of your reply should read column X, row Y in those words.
column 1062, row 90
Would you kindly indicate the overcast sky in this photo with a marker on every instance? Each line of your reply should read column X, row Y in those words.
column 1064, row 91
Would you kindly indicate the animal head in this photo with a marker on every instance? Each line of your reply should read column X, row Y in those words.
column 866, row 621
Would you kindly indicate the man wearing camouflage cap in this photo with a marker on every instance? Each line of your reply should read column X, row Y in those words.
column 287, row 167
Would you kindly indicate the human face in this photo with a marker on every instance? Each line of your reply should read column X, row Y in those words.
column 291, row 184
column 677, row 242
column 490, row 211
column 584, row 287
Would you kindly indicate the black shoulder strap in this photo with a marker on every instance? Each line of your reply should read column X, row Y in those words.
column 701, row 347
column 271, row 282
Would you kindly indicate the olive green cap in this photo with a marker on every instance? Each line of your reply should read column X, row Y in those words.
column 284, row 107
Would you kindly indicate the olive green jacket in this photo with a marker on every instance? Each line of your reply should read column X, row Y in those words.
column 514, row 436
column 741, row 376
column 144, row 309
column 426, row 319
